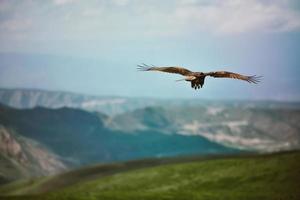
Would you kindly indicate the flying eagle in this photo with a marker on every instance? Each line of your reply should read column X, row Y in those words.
column 197, row 78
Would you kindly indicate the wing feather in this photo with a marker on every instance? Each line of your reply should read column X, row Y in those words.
column 174, row 70
column 224, row 74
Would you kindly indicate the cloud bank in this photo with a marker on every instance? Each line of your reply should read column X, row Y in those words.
column 84, row 19
column 238, row 16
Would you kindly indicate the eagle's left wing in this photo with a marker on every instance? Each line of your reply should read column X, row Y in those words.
column 224, row 74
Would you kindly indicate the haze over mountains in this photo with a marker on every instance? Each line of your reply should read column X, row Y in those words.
column 50, row 132
column 113, row 105
column 26, row 98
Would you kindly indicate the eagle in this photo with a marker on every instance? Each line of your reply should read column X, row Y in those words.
column 197, row 78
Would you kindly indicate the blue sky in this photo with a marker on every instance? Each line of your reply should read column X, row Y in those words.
column 94, row 46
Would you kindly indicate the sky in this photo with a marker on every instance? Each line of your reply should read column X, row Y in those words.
column 93, row 47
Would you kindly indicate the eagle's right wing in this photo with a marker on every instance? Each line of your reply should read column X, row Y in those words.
column 175, row 70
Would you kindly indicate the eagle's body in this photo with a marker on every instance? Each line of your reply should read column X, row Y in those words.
column 197, row 78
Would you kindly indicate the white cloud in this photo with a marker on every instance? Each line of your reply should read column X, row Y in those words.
column 237, row 16
column 15, row 24
column 62, row 2
column 91, row 12
column 120, row 2
column 136, row 18
column 5, row 6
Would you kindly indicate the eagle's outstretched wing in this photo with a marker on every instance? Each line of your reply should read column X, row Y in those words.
column 175, row 70
column 223, row 74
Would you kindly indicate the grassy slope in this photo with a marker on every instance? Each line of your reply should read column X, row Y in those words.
column 10, row 170
column 253, row 177
column 53, row 183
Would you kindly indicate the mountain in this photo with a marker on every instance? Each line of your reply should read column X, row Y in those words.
column 267, row 176
column 30, row 98
column 246, row 126
column 72, row 137
column 254, row 125
column 80, row 137
column 23, row 158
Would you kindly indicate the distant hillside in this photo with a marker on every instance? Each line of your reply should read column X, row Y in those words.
column 245, row 126
column 80, row 138
column 272, row 176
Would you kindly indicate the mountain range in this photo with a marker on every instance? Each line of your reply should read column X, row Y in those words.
column 70, row 138
column 48, row 132
column 114, row 105
column 30, row 98
column 243, row 126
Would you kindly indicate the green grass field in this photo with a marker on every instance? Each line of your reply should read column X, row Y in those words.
column 275, row 177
